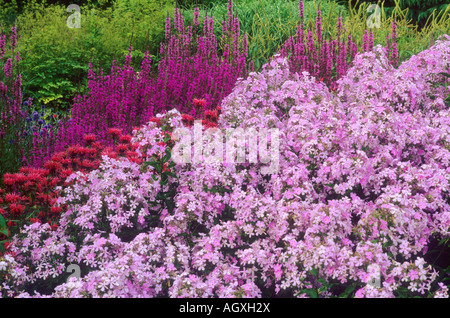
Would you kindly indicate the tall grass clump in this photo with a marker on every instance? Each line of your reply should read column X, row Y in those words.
column 269, row 23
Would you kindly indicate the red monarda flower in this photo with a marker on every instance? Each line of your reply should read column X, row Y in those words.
column 155, row 120
column 53, row 226
column 52, row 166
column 64, row 173
column 210, row 125
column 34, row 177
column 199, row 103
column 187, row 120
column 89, row 138
column 73, row 151
column 115, row 132
column 15, row 209
column 20, row 178
column 122, row 148
column 55, row 210
column 57, row 157
column 125, row 139
column 12, row 197
column 211, row 115
column 110, row 153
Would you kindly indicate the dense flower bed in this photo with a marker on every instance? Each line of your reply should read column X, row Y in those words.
column 362, row 180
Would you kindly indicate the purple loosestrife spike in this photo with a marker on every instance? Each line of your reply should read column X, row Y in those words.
column 224, row 28
column 8, row 68
column 301, row 12
column 394, row 61
column 125, row 99
column 196, row 15
column 329, row 62
column 2, row 45
column 319, row 27
column 13, row 38
column 339, row 26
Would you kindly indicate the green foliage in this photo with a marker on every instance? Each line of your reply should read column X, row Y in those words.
column 268, row 23
column 8, row 12
column 191, row 4
column 410, row 39
column 419, row 11
column 56, row 58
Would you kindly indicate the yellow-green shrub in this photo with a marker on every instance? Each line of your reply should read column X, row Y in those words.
column 56, row 57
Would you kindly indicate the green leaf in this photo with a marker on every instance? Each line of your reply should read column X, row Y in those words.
column 4, row 231
column 445, row 74
column 166, row 157
column 311, row 292
column 322, row 289
column 2, row 222
column 156, row 165
column 323, row 281
column 164, row 181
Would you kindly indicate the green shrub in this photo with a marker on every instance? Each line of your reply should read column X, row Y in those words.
column 8, row 13
column 56, row 57
column 191, row 4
